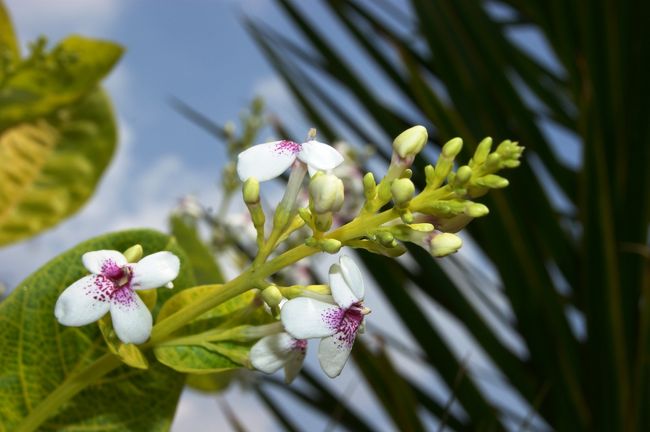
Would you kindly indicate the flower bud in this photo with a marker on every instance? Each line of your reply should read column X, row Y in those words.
column 452, row 147
column 492, row 181
column 251, row 191
column 133, row 254
column 369, row 186
column 410, row 142
column 331, row 245
column 476, row 210
column 326, row 192
column 402, row 191
column 463, row 175
column 272, row 295
column 482, row 151
column 444, row 244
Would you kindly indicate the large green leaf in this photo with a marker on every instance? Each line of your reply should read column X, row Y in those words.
column 49, row 168
column 41, row 84
column 37, row 354
column 8, row 41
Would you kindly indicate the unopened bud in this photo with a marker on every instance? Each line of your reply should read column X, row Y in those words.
column 331, row 246
column 386, row 238
column 272, row 295
column 444, row 244
column 410, row 142
column 492, row 181
column 326, row 192
column 402, row 191
column 369, row 186
column 133, row 254
column 482, row 151
column 452, row 147
column 476, row 210
column 251, row 191
column 429, row 173
column 463, row 175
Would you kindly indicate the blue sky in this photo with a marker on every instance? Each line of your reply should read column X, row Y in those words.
column 198, row 51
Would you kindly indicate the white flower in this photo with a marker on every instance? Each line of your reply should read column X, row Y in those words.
column 110, row 288
column 337, row 324
column 269, row 160
column 272, row 352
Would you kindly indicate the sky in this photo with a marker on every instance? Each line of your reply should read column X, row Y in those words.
column 199, row 52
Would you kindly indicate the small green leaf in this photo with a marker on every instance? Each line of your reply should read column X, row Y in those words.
column 205, row 355
column 50, row 168
column 211, row 383
column 37, row 354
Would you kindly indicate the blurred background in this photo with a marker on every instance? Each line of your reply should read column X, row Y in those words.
column 539, row 323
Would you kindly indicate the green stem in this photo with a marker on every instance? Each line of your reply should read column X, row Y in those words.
column 70, row 387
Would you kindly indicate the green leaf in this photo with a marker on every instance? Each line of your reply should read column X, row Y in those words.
column 37, row 354
column 39, row 86
column 8, row 41
column 211, row 383
column 50, row 168
column 206, row 270
column 205, row 355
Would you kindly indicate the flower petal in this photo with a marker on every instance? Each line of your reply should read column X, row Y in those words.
column 343, row 295
column 305, row 318
column 106, row 262
column 294, row 364
column 266, row 161
column 353, row 276
column 272, row 352
column 132, row 320
column 320, row 156
column 83, row 302
column 155, row 270
column 333, row 353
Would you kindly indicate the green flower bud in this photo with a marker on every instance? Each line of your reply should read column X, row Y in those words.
column 410, row 142
column 331, row 246
column 444, row 244
column 492, row 181
column 429, row 173
column 452, row 147
column 482, row 151
column 476, row 210
column 251, row 191
column 326, row 192
column 402, row 191
column 133, row 254
column 463, row 175
column 369, row 186
column 272, row 295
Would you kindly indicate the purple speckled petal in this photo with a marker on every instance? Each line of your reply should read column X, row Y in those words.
column 106, row 262
column 85, row 301
column 333, row 354
column 266, row 161
column 155, row 270
column 132, row 320
column 305, row 318
column 320, row 156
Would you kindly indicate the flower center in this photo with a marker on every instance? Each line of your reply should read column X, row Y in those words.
column 299, row 345
column 287, row 147
column 346, row 322
column 119, row 276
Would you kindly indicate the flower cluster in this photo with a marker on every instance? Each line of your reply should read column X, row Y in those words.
column 334, row 319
